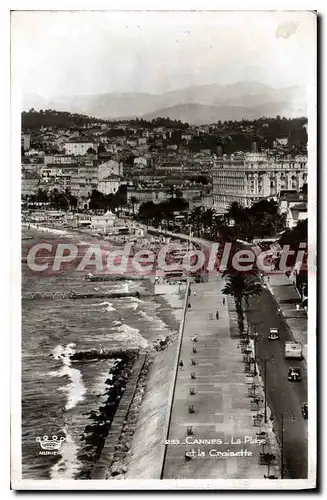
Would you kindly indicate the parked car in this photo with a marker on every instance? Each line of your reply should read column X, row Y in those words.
column 294, row 375
column 304, row 411
column 273, row 334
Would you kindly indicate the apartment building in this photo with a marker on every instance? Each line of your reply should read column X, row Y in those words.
column 30, row 183
column 84, row 180
column 26, row 141
column 79, row 147
column 110, row 184
column 294, row 205
column 110, row 167
column 252, row 177
column 144, row 194
column 58, row 175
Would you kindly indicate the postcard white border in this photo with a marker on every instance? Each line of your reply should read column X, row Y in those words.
column 201, row 485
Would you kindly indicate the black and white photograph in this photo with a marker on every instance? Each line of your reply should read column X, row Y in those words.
column 164, row 281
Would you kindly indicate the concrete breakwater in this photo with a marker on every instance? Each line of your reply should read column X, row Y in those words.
column 159, row 344
column 115, row 278
column 111, row 295
column 113, row 460
column 75, row 296
column 107, row 441
column 92, row 354
column 94, row 437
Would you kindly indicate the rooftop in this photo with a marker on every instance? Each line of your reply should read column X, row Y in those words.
column 111, row 177
column 301, row 207
column 292, row 196
column 63, row 165
column 80, row 141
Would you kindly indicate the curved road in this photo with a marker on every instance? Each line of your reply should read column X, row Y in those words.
column 284, row 397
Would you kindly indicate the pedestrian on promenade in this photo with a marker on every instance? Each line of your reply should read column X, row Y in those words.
column 297, row 307
column 181, row 365
column 224, row 301
column 189, row 306
column 195, row 338
column 194, row 293
column 217, row 315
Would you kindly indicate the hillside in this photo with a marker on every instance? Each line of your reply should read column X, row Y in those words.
column 201, row 114
column 241, row 99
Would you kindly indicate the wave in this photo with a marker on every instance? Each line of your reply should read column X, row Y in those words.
column 48, row 229
column 75, row 390
column 109, row 307
column 130, row 336
column 68, row 465
column 156, row 322
column 132, row 305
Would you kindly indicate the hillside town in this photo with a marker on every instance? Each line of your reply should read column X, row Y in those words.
column 242, row 184
column 76, row 162
column 167, row 270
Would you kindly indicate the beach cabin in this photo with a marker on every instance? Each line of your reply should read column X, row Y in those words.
column 81, row 220
column 103, row 223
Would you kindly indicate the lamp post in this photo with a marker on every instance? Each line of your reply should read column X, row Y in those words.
column 282, row 447
column 254, row 335
column 265, row 387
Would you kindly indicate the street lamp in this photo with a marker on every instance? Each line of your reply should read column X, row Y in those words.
column 265, row 385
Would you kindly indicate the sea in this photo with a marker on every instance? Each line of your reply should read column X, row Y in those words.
column 58, row 395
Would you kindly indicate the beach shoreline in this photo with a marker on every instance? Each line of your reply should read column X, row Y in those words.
column 168, row 312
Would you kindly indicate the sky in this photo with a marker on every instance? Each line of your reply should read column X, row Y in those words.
column 71, row 53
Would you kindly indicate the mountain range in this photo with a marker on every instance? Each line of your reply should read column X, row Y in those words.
column 198, row 105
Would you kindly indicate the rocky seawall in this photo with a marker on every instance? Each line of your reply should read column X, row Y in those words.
column 95, row 434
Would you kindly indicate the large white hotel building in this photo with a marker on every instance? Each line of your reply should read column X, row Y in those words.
column 252, row 177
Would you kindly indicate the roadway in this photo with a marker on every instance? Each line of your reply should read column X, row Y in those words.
column 284, row 397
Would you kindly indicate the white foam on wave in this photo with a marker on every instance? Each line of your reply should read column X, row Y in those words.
column 75, row 390
column 125, row 286
column 132, row 305
column 109, row 307
column 154, row 320
column 137, row 300
column 68, row 465
column 129, row 336
column 50, row 229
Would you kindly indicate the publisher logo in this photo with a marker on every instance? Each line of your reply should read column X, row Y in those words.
column 50, row 446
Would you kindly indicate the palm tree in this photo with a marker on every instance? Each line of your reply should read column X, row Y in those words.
column 197, row 219
column 236, row 212
column 41, row 196
column 209, row 219
column 241, row 286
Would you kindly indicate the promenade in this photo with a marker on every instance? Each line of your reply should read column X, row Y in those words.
column 221, row 402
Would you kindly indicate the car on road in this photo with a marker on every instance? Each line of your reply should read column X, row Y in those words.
column 273, row 334
column 293, row 350
column 294, row 375
column 304, row 411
